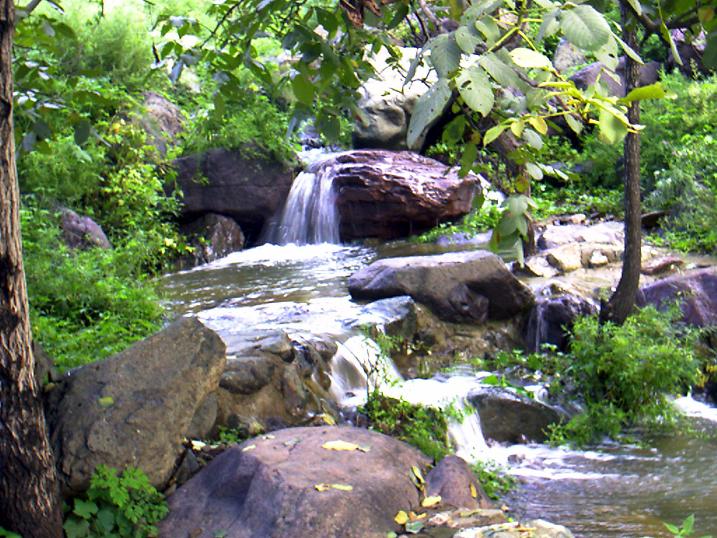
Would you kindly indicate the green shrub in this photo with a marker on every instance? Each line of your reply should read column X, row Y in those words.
column 425, row 428
column 87, row 304
column 626, row 373
column 124, row 505
column 493, row 479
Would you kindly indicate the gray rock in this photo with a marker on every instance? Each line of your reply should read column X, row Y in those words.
column 552, row 319
column 223, row 181
column 567, row 56
column 565, row 258
column 613, row 80
column 395, row 316
column 696, row 291
column 538, row 529
column 604, row 233
column 162, row 120
column 459, row 286
column 135, row 408
column 266, row 487
column 82, row 232
column 452, row 479
column 213, row 237
column 509, row 417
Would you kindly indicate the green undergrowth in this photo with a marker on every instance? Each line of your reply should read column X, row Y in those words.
column 425, row 428
column 493, row 479
column 116, row 504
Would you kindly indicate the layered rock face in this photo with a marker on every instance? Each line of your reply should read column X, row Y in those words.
column 460, row 286
column 387, row 195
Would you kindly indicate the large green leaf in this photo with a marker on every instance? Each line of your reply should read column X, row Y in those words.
column 612, row 129
column 445, row 54
column 501, row 72
column 529, row 58
column 429, row 107
column 585, row 28
column 303, row 89
column 468, row 39
column 475, row 89
column 653, row 91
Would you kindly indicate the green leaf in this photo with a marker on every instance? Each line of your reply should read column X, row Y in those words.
column 429, row 107
column 667, row 36
column 674, row 529
column 500, row 71
column 493, row 133
column 76, row 528
column 612, row 129
column 635, row 4
column 533, row 139
column 303, row 89
column 489, row 29
column 529, row 58
column 467, row 39
column 575, row 124
column 468, row 158
column 709, row 59
column 42, row 129
column 653, row 91
column 549, row 26
column 106, row 520
column 518, row 205
column 84, row 509
column 585, row 27
column 445, row 54
column 476, row 90
column 454, row 131
column 82, row 131
column 629, row 50
column 534, row 171
column 414, row 527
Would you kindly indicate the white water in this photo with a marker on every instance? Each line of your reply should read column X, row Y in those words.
column 309, row 215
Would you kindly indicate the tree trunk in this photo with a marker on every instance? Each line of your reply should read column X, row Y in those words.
column 29, row 500
column 622, row 301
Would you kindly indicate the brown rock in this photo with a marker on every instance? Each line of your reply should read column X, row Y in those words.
column 213, row 237
column 664, row 264
column 388, row 194
column 266, row 487
column 452, row 479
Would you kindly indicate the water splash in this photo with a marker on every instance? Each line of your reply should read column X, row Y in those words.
column 309, row 215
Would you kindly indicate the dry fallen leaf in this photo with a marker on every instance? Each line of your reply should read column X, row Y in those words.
column 343, row 445
column 248, row 448
column 474, row 492
column 428, row 502
column 327, row 487
column 401, row 517
column 417, row 473
column 198, row 445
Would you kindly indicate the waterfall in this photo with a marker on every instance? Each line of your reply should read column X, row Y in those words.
column 309, row 215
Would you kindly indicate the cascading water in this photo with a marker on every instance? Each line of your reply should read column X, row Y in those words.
column 309, row 215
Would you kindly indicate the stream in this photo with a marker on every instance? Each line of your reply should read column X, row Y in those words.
column 608, row 491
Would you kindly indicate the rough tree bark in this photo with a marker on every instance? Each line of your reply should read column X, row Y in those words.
column 29, row 499
column 622, row 302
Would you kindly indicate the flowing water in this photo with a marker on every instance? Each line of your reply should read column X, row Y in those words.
column 609, row 491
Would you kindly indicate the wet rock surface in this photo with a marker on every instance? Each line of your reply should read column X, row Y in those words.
column 552, row 319
column 387, row 195
column 461, row 286
column 268, row 487
column 135, row 408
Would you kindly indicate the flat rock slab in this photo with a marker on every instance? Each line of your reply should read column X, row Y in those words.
column 267, row 488
column 459, row 286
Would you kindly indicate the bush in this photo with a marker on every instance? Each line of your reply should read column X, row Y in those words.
column 626, row 373
column 425, row 428
column 124, row 505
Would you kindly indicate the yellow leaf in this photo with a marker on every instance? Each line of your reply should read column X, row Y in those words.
column 197, row 445
column 428, row 502
column 327, row 419
column 248, row 448
column 474, row 492
column 417, row 473
column 343, row 445
column 539, row 124
column 340, row 487
column 401, row 518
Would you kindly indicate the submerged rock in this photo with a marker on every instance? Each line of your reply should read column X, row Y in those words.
column 388, row 194
column 135, row 409
column 287, row 485
column 509, row 417
column 459, row 286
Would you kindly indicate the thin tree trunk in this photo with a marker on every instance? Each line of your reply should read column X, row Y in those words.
column 29, row 500
column 622, row 302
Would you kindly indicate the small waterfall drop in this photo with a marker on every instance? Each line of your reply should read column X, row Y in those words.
column 309, row 215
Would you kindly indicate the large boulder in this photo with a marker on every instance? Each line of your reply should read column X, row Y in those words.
column 212, row 236
column 282, row 486
column 614, row 80
column 388, row 194
column 387, row 102
column 81, row 231
column 696, row 291
column 459, row 286
column 134, row 409
column 509, row 417
column 224, row 181
column 453, row 480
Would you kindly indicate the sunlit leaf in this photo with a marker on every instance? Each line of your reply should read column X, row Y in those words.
column 585, row 27
column 476, row 90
